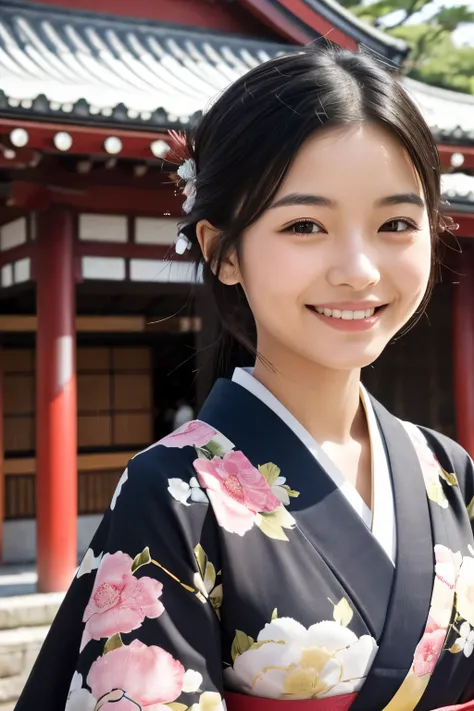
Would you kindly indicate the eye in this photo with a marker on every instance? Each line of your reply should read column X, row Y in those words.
column 398, row 225
column 304, row 227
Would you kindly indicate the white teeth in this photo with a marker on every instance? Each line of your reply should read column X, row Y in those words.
column 345, row 314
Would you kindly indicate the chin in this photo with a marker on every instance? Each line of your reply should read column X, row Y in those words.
column 351, row 359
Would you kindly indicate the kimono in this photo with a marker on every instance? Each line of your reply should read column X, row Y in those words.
column 236, row 566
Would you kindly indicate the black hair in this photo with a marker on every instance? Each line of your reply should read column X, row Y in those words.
column 245, row 143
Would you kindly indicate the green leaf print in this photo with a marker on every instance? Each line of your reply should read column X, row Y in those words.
column 214, row 448
column 141, row 559
column 449, row 477
column 291, row 492
column 114, row 642
column 343, row 613
column 201, row 559
column 270, row 526
column 470, row 509
column 241, row 644
column 270, row 472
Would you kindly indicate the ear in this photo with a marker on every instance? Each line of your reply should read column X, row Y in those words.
column 207, row 235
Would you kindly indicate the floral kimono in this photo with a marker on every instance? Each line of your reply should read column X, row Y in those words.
column 235, row 565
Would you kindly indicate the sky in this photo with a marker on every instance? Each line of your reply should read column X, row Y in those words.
column 463, row 35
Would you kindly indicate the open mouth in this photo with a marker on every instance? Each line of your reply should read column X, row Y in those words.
column 346, row 314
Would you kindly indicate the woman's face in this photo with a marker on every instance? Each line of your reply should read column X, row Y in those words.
column 347, row 233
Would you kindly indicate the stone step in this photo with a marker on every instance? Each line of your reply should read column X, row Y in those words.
column 8, row 706
column 29, row 610
column 18, row 651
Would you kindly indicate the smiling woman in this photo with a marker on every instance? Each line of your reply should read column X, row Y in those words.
column 297, row 546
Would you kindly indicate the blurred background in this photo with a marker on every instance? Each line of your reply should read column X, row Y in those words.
column 106, row 344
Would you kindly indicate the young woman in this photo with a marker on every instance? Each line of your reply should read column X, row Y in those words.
column 297, row 546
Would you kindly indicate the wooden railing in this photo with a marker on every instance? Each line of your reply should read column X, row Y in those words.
column 98, row 475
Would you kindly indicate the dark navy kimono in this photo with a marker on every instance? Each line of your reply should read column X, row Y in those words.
column 230, row 566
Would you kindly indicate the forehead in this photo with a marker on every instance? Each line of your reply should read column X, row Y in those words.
column 363, row 159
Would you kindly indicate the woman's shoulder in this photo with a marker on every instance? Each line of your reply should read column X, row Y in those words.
column 188, row 442
column 440, row 441
column 452, row 456
column 165, row 469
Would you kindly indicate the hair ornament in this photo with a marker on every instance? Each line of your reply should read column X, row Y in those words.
column 182, row 243
column 187, row 170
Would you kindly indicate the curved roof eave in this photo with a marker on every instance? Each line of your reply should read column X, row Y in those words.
column 304, row 20
column 449, row 114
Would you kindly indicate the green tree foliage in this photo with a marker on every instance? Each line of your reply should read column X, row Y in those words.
column 434, row 58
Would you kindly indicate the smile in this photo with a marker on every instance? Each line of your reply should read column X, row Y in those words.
column 348, row 319
column 345, row 314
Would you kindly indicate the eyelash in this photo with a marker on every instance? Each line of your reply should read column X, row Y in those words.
column 411, row 226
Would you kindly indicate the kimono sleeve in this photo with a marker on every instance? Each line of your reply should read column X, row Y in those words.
column 139, row 627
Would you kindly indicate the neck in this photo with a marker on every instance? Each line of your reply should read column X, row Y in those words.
column 325, row 401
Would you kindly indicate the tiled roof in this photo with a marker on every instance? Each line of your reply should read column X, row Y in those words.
column 449, row 114
column 458, row 189
column 85, row 66
column 90, row 68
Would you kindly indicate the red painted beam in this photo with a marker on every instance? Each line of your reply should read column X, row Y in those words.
column 56, row 424
column 21, row 252
column 280, row 21
column 198, row 13
column 87, row 140
column 108, row 199
column 319, row 24
column 446, row 153
column 267, row 13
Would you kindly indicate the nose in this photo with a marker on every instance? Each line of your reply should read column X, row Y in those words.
column 355, row 268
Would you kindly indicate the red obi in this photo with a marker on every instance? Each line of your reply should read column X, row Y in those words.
column 241, row 702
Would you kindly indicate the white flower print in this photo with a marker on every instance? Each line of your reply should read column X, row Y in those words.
column 79, row 699
column 118, row 489
column 182, row 491
column 465, row 643
column 89, row 563
column 209, row 701
column 291, row 662
column 192, row 680
column 279, row 490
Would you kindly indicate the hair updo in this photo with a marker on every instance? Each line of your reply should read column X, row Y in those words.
column 245, row 143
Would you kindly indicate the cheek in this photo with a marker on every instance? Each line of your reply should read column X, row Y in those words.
column 410, row 270
column 275, row 275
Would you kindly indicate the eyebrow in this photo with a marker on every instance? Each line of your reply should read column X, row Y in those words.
column 319, row 201
column 303, row 199
column 400, row 199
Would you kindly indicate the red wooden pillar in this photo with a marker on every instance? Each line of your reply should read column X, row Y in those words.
column 463, row 350
column 56, row 413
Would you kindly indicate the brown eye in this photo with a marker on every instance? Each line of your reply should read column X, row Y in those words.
column 304, row 227
column 398, row 226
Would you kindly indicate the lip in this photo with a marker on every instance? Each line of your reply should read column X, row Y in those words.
column 352, row 325
column 350, row 305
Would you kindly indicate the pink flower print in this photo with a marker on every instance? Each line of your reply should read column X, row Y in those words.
column 447, row 565
column 427, row 652
column 192, row 434
column 136, row 676
column 119, row 601
column 237, row 491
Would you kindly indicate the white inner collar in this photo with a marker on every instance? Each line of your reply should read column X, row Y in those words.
column 382, row 518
